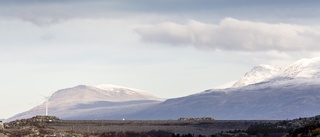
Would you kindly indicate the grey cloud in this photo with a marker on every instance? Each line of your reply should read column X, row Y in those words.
column 46, row 12
column 40, row 21
column 236, row 35
column 38, row 13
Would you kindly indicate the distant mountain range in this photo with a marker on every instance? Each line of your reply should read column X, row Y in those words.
column 265, row 92
column 93, row 102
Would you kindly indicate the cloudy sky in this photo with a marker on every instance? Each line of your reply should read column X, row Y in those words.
column 170, row 48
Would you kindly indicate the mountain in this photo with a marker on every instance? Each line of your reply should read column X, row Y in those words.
column 269, row 100
column 93, row 102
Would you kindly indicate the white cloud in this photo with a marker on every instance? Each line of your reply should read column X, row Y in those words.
column 236, row 35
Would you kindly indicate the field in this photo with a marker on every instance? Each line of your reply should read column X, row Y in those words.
column 175, row 126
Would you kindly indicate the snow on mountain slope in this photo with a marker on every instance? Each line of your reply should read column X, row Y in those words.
column 257, row 74
column 308, row 68
column 120, row 91
column 71, row 102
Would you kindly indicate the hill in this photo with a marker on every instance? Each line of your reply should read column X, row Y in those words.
column 93, row 102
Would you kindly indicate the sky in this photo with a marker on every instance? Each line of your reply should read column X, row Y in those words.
column 170, row 48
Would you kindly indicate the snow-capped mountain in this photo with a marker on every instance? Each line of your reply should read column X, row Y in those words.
column 304, row 68
column 273, row 100
column 93, row 102
column 264, row 92
column 257, row 74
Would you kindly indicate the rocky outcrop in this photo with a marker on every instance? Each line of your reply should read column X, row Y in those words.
column 37, row 121
column 35, row 126
column 196, row 119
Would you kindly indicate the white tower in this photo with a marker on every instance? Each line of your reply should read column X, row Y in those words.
column 47, row 101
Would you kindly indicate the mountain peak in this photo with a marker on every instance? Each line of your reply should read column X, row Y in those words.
column 307, row 68
column 303, row 68
column 257, row 74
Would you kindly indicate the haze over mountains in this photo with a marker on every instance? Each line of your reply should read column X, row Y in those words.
column 264, row 92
